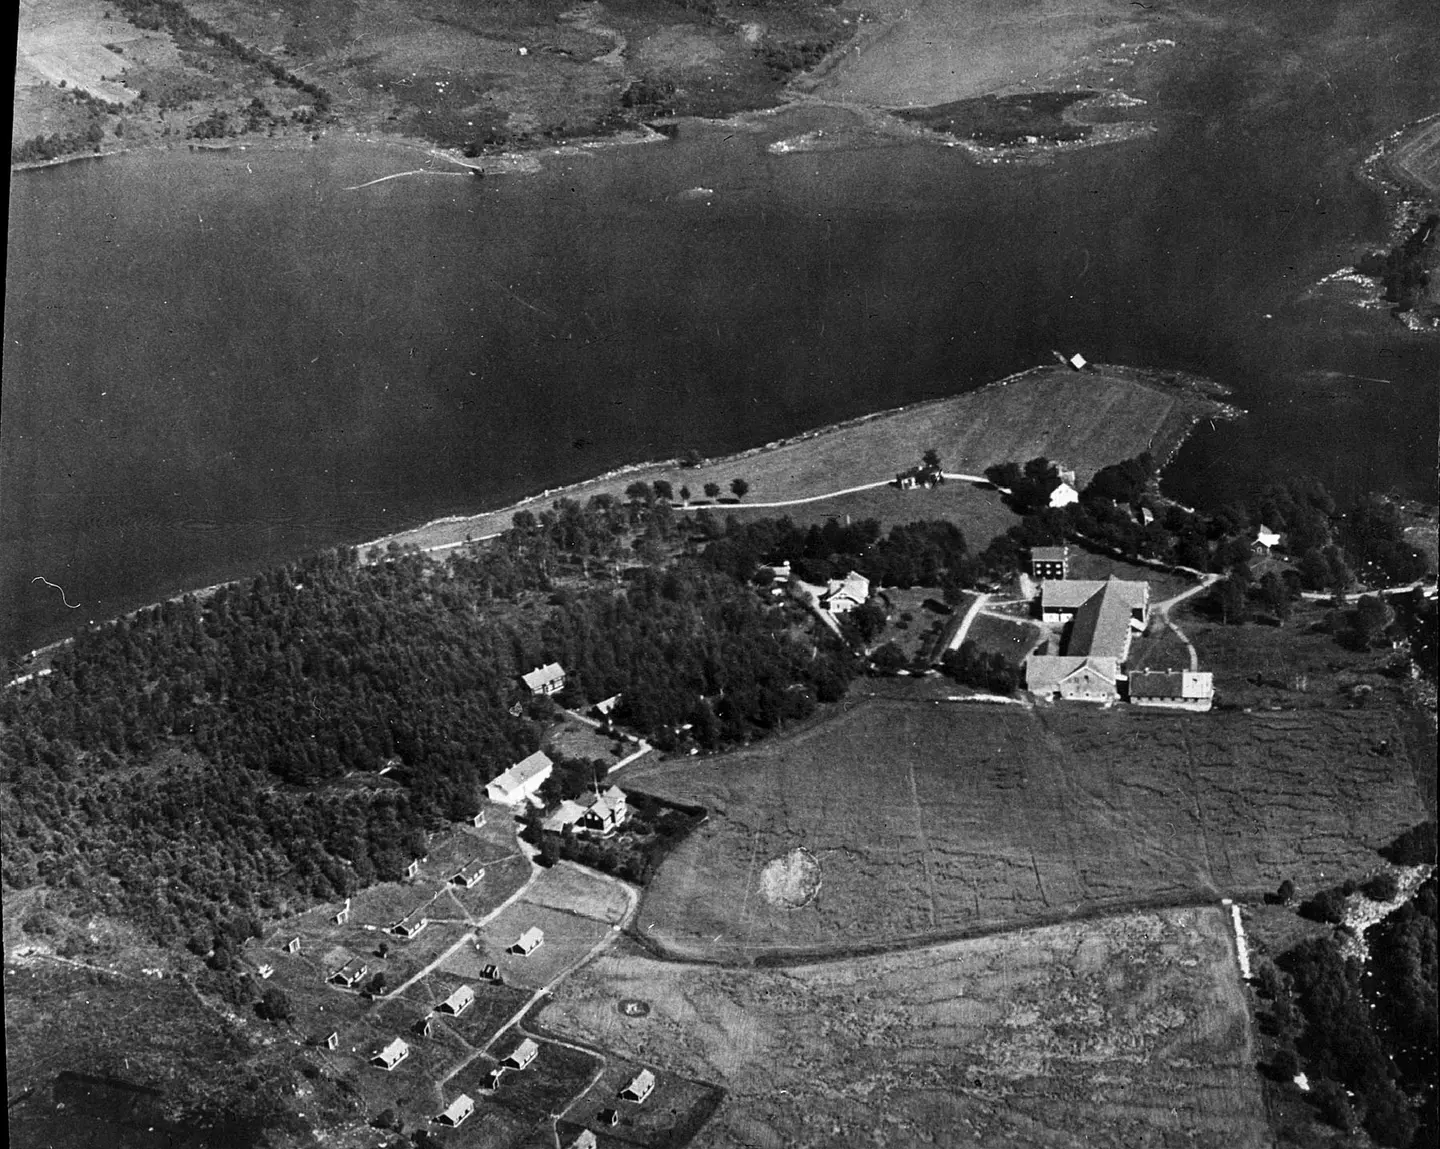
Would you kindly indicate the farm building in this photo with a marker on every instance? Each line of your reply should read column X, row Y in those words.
column 596, row 813
column 921, row 476
column 640, row 1087
column 1049, row 562
column 547, row 679
column 521, row 781
column 1088, row 668
column 469, row 874
column 458, row 1002
column 351, row 973
column 411, row 924
column 522, row 1055
column 292, row 946
column 1061, row 599
column 1173, row 689
column 1064, row 495
column 845, row 594
column 391, row 1056
column 586, row 1140
column 456, row 1112
column 528, row 942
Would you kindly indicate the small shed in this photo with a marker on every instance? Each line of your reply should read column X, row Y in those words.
column 391, row 1056
column 586, row 1140
column 332, row 1040
column 640, row 1087
column 1064, row 495
column 528, row 942
column 610, row 1117
column 456, row 1112
column 492, row 1079
column 413, row 869
column 491, row 973
column 266, row 972
column 478, row 820
column 458, row 1002
column 425, row 1026
column 522, row 1055
column 292, row 946
column 343, row 914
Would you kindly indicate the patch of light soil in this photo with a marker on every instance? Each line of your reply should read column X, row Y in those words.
column 791, row 881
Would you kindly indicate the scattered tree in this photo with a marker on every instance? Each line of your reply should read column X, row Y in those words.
column 739, row 487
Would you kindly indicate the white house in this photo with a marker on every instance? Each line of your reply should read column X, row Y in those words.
column 845, row 594
column 458, row 1002
column 456, row 1112
column 521, row 781
column 1064, row 495
column 411, row 924
column 547, row 679
column 522, row 1055
column 350, row 974
column 640, row 1087
column 586, row 1140
column 528, row 942
column 469, row 874
column 391, row 1056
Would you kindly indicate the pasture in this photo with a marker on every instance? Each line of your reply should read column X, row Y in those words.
column 940, row 820
column 1009, row 637
column 1130, row 1030
column 977, row 510
column 1084, row 420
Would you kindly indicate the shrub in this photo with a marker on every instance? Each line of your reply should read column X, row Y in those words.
column 1326, row 906
column 1382, row 887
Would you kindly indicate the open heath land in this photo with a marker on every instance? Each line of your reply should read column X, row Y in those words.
column 953, row 49
column 938, row 820
column 1084, row 419
column 1127, row 1031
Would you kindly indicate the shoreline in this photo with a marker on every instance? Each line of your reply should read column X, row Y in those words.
column 451, row 529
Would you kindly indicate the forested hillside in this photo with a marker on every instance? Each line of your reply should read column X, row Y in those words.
column 204, row 761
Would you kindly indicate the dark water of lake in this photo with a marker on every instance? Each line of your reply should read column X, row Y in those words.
column 215, row 361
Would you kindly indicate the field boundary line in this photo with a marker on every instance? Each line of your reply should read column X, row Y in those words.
column 924, row 841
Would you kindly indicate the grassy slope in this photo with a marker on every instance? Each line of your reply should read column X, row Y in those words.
column 1085, row 420
column 1127, row 1031
column 940, row 818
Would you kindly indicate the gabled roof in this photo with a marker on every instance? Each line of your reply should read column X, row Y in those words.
column 1266, row 537
column 543, row 676
column 641, row 1084
column 1172, row 684
column 523, row 1052
column 1071, row 594
column 1102, row 624
column 534, row 936
column 1045, row 672
column 566, row 814
column 853, row 585
column 470, row 869
column 457, row 1110
column 397, row 1050
column 523, row 772
column 459, row 1000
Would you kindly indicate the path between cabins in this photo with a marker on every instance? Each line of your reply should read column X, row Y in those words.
column 632, row 897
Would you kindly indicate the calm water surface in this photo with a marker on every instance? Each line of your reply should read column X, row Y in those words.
column 215, row 361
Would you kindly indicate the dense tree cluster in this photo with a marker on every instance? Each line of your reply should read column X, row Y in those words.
column 912, row 554
column 973, row 667
column 205, row 759
column 42, row 147
column 1402, row 269
column 1368, row 1045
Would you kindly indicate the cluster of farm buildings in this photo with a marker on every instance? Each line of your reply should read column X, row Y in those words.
column 1099, row 619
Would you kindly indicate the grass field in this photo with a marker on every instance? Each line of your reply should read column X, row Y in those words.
column 1084, row 420
column 977, row 511
column 1129, row 1031
column 994, row 635
column 934, row 820
column 956, row 49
